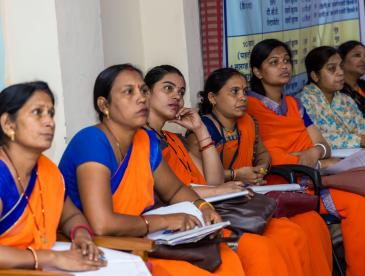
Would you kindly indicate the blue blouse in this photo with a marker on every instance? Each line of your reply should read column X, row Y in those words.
column 91, row 145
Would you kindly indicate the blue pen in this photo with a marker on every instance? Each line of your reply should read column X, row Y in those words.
column 168, row 232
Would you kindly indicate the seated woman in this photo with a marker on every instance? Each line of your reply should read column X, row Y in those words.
column 291, row 138
column 224, row 104
column 32, row 193
column 277, row 251
column 114, row 183
column 167, row 86
column 335, row 114
column 353, row 61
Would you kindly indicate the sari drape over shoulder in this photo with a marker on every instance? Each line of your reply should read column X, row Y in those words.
column 235, row 153
column 281, row 141
column 179, row 160
column 132, row 184
column 17, row 225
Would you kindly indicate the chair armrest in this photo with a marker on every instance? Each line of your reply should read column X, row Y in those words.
column 138, row 246
column 290, row 171
column 282, row 171
column 29, row 272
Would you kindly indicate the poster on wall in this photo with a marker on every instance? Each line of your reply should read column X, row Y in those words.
column 302, row 24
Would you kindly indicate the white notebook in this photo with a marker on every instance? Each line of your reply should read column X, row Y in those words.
column 119, row 263
column 258, row 189
column 193, row 235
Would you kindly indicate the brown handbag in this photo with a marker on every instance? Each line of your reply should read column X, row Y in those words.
column 293, row 203
column 246, row 215
column 204, row 253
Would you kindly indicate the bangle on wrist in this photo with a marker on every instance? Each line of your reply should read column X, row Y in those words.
column 197, row 202
column 211, row 144
column 205, row 203
column 35, row 256
column 147, row 223
column 206, row 138
column 233, row 174
column 323, row 147
column 79, row 226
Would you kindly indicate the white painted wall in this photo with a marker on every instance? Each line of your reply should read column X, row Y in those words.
column 32, row 53
column 151, row 33
column 122, row 36
column 81, row 58
column 67, row 43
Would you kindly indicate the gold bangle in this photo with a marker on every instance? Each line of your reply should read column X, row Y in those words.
column 147, row 223
column 36, row 263
column 197, row 202
column 206, row 203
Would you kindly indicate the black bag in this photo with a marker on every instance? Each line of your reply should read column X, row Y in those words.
column 246, row 215
column 204, row 253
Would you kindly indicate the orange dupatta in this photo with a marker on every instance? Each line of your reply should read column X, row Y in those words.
column 179, row 160
column 244, row 157
column 135, row 190
column 281, row 135
column 23, row 232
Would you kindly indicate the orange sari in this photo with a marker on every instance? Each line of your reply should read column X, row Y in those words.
column 17, row 226
column 135, row 193
column 350, row 206
column 179, row 160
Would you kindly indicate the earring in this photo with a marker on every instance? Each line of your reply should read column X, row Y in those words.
column 107, row 114
column 12, row 135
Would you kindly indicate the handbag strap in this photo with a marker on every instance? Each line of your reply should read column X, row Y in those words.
column 328, row 202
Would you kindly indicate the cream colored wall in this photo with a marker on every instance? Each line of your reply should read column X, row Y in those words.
column 32, row 53
column 152, row 33
column 67, row 43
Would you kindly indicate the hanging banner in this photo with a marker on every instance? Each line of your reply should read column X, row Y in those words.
column 302, row 24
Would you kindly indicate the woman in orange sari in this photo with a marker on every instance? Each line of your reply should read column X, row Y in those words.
column 244, row 157
column 281, row 250
column 284, row 116
column 32, row 192
column 115, row 182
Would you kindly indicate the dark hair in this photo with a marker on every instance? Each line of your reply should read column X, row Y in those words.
column 105, row 80
column 157, row 73
column 259, row 53
column 317, row 58
column 215, row 81
column 347, row 46
column 15, row 96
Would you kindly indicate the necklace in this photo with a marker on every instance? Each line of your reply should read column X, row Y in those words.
column 117, row 143
column 43, row 237
column 229, row 132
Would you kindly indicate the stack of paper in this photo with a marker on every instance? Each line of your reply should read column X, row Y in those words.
column 353, row 161
column 257, row 189
column 193, row 235
column 343, row 153
column 278, row 187
column 119, row 263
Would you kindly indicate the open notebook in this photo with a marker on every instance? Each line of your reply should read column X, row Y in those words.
column 180, row 237
column 119, row 263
